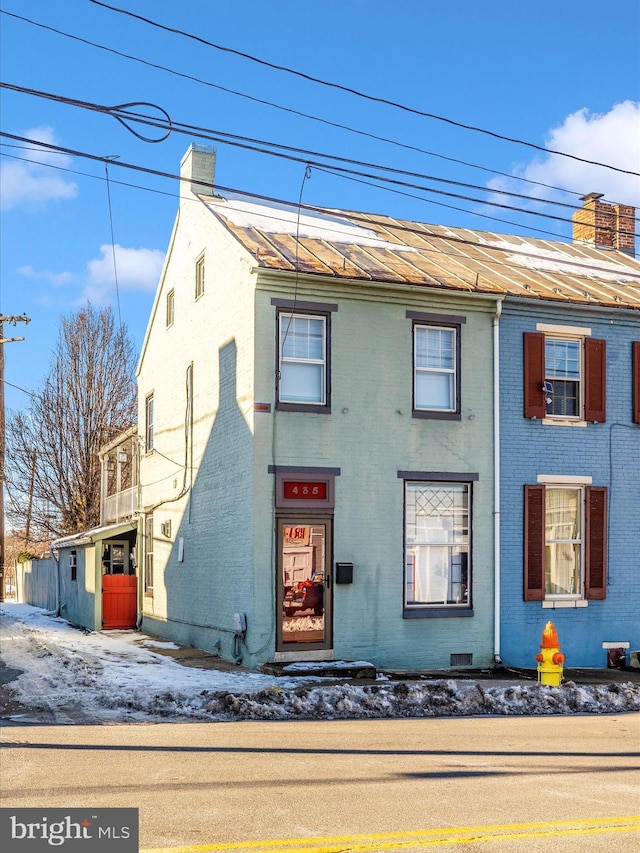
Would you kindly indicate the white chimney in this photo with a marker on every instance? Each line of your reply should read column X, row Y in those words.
column 197, row 171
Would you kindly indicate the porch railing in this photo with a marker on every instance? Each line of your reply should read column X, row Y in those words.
column 119, row 507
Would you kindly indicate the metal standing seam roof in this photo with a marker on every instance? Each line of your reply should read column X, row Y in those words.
column 360, row 246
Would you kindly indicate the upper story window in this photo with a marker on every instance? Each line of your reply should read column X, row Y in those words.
column 171, row 298
column 435, row 368
column 564, row 375
column 303, row 359
column 148, row 424
column 303, row 367
column 565, row 541
column 200, row 277
column 436, row 365
column 437, row 547
column 148, row 554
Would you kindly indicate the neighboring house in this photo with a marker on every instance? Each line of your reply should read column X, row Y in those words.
column 570, row 446
column 316, row 409
column 97, row 577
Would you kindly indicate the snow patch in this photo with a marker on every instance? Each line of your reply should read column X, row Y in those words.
column 111, row 678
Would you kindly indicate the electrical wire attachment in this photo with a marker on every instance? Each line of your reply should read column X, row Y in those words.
column 122, row 108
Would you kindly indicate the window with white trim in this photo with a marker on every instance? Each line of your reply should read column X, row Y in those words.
column 148, row 554
column 302, row 368
column 200, row 277
column 73, row 565
column 437, row 545
column 435, row 368
column 564, row 375
column 171, row 298
column 148, row 426
column 565, row 541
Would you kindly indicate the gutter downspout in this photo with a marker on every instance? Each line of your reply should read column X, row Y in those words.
column 497, row 660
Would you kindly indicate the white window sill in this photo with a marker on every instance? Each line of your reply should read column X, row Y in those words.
column 557, row 604
column 563, row 422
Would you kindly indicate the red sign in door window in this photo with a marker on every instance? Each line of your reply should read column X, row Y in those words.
column 301, row 490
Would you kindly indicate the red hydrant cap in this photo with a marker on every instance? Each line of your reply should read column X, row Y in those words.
column 549, row 637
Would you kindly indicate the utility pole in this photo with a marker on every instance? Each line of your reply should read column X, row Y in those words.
column 13, row 321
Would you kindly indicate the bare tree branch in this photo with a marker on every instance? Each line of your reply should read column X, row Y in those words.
column 88, row 396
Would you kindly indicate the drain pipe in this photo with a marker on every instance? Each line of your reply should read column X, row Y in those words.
column 497, row 660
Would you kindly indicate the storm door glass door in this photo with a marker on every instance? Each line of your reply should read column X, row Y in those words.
column 304, row 584
column 115, row 558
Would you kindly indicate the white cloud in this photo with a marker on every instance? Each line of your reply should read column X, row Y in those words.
column 612, row 138
column 56, row 278
column 29, row 182
column 137, row 269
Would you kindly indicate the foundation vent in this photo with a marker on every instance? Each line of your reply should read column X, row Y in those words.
column 464, row 659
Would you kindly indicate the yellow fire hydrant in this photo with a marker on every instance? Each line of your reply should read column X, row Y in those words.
column 550, row 658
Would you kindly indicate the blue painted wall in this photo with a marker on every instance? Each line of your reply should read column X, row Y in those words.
column 608, row 452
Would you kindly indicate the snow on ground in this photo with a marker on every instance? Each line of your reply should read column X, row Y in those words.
column 79, row 676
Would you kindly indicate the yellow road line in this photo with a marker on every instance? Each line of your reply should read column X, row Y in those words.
column 370, row 843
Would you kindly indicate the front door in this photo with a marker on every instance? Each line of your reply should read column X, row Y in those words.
column 304, row 588
column 119, row 586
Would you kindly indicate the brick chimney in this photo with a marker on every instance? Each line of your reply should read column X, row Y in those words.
column 197, row 170
column 605, row 226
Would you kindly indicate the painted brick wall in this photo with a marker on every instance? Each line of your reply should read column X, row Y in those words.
column 194, row 600
column 370, row 435
column 608, row 452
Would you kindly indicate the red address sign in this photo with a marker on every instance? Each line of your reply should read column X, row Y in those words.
column 299, row 490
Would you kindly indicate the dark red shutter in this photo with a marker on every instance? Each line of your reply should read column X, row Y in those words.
column 596, row 542
column 534, row 556
column 533, row 374
column 595, row 368
column 635, row 373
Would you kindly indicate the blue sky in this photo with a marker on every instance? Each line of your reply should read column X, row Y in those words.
column 563, row 75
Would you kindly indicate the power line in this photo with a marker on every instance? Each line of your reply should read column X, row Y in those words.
column 124, row 115
column 309, row 116
column 359, row 94
column 352, row 215
column 327, row 171
column 19, row 388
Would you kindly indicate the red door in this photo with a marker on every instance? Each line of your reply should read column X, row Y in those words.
column 119, row 601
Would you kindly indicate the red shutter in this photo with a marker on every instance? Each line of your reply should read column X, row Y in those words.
column 635, row 373
column 534, row 555
column 596, row 542
column 533, row 374
column 595, row 369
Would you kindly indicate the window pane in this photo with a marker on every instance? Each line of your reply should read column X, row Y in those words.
column 562, row 576
column 562, row 514
column 302, row 337
column 434, row 348
column 562, row 359
column 564, row 398
column 301, row 383
column 434, row 391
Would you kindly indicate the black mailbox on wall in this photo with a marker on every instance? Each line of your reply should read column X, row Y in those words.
column 344, row 572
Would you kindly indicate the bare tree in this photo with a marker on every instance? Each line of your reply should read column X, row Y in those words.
column 88, row 396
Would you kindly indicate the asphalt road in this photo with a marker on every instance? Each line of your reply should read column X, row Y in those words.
column 505, row 784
